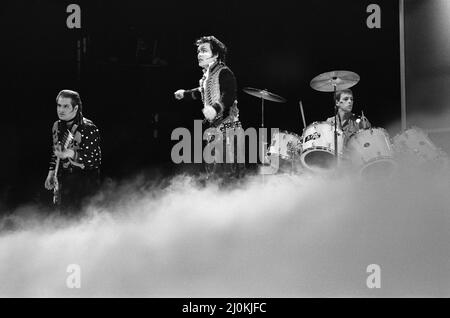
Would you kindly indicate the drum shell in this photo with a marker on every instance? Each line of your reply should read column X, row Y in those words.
column 285, row 144
column 415, row 143
column 318, row 138
column 370, row 145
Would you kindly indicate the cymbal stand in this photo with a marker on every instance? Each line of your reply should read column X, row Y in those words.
column 335, row 124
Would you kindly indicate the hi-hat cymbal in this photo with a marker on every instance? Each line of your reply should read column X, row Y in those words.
column 264, row 94
column 326, row 82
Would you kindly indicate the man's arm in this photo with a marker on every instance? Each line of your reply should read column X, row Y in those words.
column 188, row 94
column 191, row 94
column 89, row 153
column 52, row 163
column 227, row 83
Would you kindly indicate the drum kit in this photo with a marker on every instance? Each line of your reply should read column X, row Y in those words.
column 321, row 146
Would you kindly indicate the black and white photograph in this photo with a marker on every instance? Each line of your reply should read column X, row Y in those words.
column 225, row 149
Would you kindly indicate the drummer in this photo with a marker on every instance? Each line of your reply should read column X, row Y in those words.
column 348, row 122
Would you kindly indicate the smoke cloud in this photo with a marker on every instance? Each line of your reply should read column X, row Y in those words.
column 273, row 236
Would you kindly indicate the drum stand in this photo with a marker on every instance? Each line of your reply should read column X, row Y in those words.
column 263, row 142
column 295, row 158
column 262, row 112
column 263, row 94
column 292, row 165
column 335, row 125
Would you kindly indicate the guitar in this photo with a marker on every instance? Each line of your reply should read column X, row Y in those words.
column 56, row 187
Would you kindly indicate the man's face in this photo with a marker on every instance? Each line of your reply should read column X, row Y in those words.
column 346, row 102
column 205, row 55
column 65, row 109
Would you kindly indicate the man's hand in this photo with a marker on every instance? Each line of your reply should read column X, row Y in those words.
column 364, row 123
column 68, row 153
column 49, row 180
column 209, row 112
column 179, row 94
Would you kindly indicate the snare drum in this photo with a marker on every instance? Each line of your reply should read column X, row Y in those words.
column 371, row 151
column 318, row 146
column 285, row 144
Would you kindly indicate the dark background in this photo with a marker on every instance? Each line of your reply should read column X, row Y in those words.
column 427, row 47
column 139, row 52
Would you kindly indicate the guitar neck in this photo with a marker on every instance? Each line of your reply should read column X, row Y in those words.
column 57, row 166
column 58, row 160
column 56, row 194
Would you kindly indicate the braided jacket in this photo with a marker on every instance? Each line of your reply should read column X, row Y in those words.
column 218, row 89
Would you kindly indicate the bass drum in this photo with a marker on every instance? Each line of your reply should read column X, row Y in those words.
column 371, row 152
column 318, row 146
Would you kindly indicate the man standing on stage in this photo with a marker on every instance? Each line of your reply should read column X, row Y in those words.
column 78, row 159
column 217, row 90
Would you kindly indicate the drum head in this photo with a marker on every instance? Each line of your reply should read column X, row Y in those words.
column 379, row 169
column 318, row 160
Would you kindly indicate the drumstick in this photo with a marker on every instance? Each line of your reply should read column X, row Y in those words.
column 303, row 115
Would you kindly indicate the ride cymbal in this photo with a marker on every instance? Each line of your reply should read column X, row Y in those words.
column 264, row 94
column 327, row 82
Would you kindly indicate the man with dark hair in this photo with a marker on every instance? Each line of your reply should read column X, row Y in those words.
column 217, row 47
column 217, row 90
column 79, row 159
column 348, row 122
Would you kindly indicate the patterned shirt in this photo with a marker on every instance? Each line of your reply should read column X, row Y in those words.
column 85, row 144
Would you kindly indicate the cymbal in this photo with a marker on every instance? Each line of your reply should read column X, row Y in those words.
column 326, row 82
column 264, row 94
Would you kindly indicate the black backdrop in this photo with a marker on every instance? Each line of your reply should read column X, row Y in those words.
column 139, row 52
